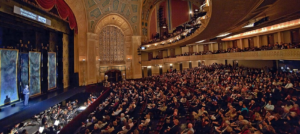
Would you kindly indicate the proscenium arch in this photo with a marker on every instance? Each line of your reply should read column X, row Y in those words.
column 80, row 39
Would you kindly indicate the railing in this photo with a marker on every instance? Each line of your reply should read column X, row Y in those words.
column 73, row 125
column 286, row 54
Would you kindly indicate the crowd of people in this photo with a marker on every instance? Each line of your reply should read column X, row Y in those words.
column 205, row 99
column 116, row 114
column 180, row 31
column 52, row 120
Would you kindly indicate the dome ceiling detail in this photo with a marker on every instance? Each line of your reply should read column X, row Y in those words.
column 129, row 9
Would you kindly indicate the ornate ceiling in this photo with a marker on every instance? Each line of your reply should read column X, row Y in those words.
column 129, row 9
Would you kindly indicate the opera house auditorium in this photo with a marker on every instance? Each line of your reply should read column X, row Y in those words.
column 149, row 66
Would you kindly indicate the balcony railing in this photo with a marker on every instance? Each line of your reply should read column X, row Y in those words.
column 285, row 54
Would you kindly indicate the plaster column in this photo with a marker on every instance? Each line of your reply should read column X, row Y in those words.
column 136, row 59
column 66, row 77
column 279, row 37
column 257, row 41
column 91, row 72
column 240, row 42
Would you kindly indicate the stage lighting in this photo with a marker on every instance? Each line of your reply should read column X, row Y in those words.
column 41, row 129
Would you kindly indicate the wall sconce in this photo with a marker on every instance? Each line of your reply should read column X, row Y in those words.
column 83, row 59
column 160, row 66
column 191, row 12
column 171, row 64
column 98, row 59
column 148, row 66
column 128, row 59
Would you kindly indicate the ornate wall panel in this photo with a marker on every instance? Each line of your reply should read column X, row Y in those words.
column 66, row 60
column 129, row 9
column 286, row 54
column 111, row 42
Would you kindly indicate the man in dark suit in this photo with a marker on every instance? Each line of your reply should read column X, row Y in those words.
column 174, row 129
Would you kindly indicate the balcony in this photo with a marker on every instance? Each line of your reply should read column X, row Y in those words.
column 286, row 54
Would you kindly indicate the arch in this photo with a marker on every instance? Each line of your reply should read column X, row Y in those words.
column 115, row 20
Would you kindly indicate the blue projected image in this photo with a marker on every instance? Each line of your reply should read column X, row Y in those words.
column 9, row 90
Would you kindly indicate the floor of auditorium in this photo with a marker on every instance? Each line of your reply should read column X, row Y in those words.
column 12, row 115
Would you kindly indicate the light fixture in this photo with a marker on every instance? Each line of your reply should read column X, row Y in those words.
column 160, row 66
column 266, row 29
column 148, row 66
column 98, row 59
column 171, row 64
column 143, row 48
column 164, row 26
column 83, row 59
column 155, row 44
column 200, row 41
column 196, row 10
column 249, row 25
column 223, row 35
column 191, row 12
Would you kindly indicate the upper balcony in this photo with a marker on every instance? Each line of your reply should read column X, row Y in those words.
column 215, row 21
column 286, row 54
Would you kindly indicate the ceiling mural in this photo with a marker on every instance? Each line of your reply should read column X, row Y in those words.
column 129, row 9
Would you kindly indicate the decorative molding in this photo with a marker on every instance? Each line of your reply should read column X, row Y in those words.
column 286, row 54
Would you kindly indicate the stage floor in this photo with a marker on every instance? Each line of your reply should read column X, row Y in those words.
column 10, row 116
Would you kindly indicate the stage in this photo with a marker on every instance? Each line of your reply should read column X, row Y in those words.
column 9, row 116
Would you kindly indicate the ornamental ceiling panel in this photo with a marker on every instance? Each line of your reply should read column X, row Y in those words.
column 129, row 9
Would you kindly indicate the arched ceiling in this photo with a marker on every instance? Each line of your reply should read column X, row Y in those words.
column 129, row 9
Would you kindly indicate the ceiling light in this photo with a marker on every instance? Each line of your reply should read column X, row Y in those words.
column 223, row 35
column 200, row 41
column 249, row 25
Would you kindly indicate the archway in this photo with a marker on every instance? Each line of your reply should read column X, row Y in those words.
column 114, row 75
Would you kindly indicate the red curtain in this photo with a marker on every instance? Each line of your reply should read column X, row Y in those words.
column 63, row 10
column 72, row 20
column 46, row 4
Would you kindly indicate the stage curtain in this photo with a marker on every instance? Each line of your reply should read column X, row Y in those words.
column 63, row 9
column 46, row 4
column 72, row 20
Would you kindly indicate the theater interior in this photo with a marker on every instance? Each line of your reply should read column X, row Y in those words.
column 149, row 66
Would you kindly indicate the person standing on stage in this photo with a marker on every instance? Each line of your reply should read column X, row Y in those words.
column 26, row 95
